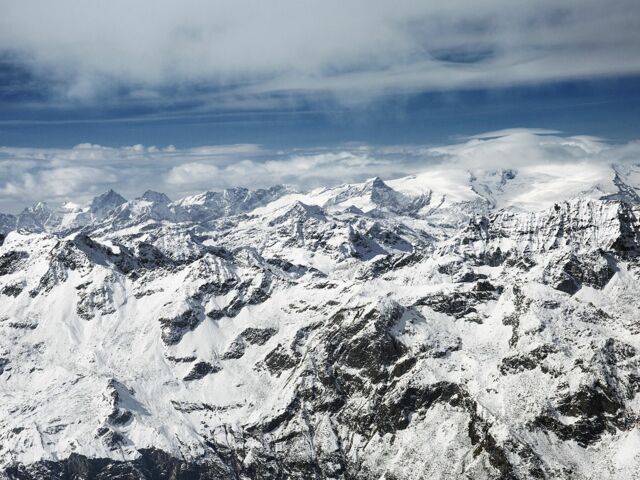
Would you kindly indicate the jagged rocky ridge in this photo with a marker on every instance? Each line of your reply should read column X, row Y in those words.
column 426, row 327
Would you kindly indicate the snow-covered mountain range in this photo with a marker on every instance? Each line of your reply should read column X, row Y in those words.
column 453, row 324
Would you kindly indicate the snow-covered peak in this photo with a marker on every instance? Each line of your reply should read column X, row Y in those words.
column 155, row 197
column 36, row 217
column 530, row 187
column 371, row 195
column 298, row 211
column 105, row 203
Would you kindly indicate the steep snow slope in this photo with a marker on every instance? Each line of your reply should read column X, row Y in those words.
column 452, row 324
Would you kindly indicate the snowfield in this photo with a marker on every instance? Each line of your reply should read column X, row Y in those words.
column 480, row 324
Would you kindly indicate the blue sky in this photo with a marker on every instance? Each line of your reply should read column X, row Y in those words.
column 607, row 107
column 302, row 74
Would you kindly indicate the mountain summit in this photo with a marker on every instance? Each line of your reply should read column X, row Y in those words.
column 108, row 201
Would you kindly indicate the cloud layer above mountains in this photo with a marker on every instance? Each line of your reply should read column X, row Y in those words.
column 233, row 53
column 77, row 174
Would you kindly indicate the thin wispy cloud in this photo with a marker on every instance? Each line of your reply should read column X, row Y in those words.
column 29, row 175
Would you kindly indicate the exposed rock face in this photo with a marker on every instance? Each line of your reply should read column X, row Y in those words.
column 201, row 370
column 249, row 336
column 362, row 332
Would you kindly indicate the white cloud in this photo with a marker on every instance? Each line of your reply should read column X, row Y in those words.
column 353, row 49
column 77, row 174
column 193, row 174
column 510, row 131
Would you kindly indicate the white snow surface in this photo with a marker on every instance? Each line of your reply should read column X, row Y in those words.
column 107, row 313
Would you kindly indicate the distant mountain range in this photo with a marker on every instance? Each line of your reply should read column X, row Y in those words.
column 452, row 324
